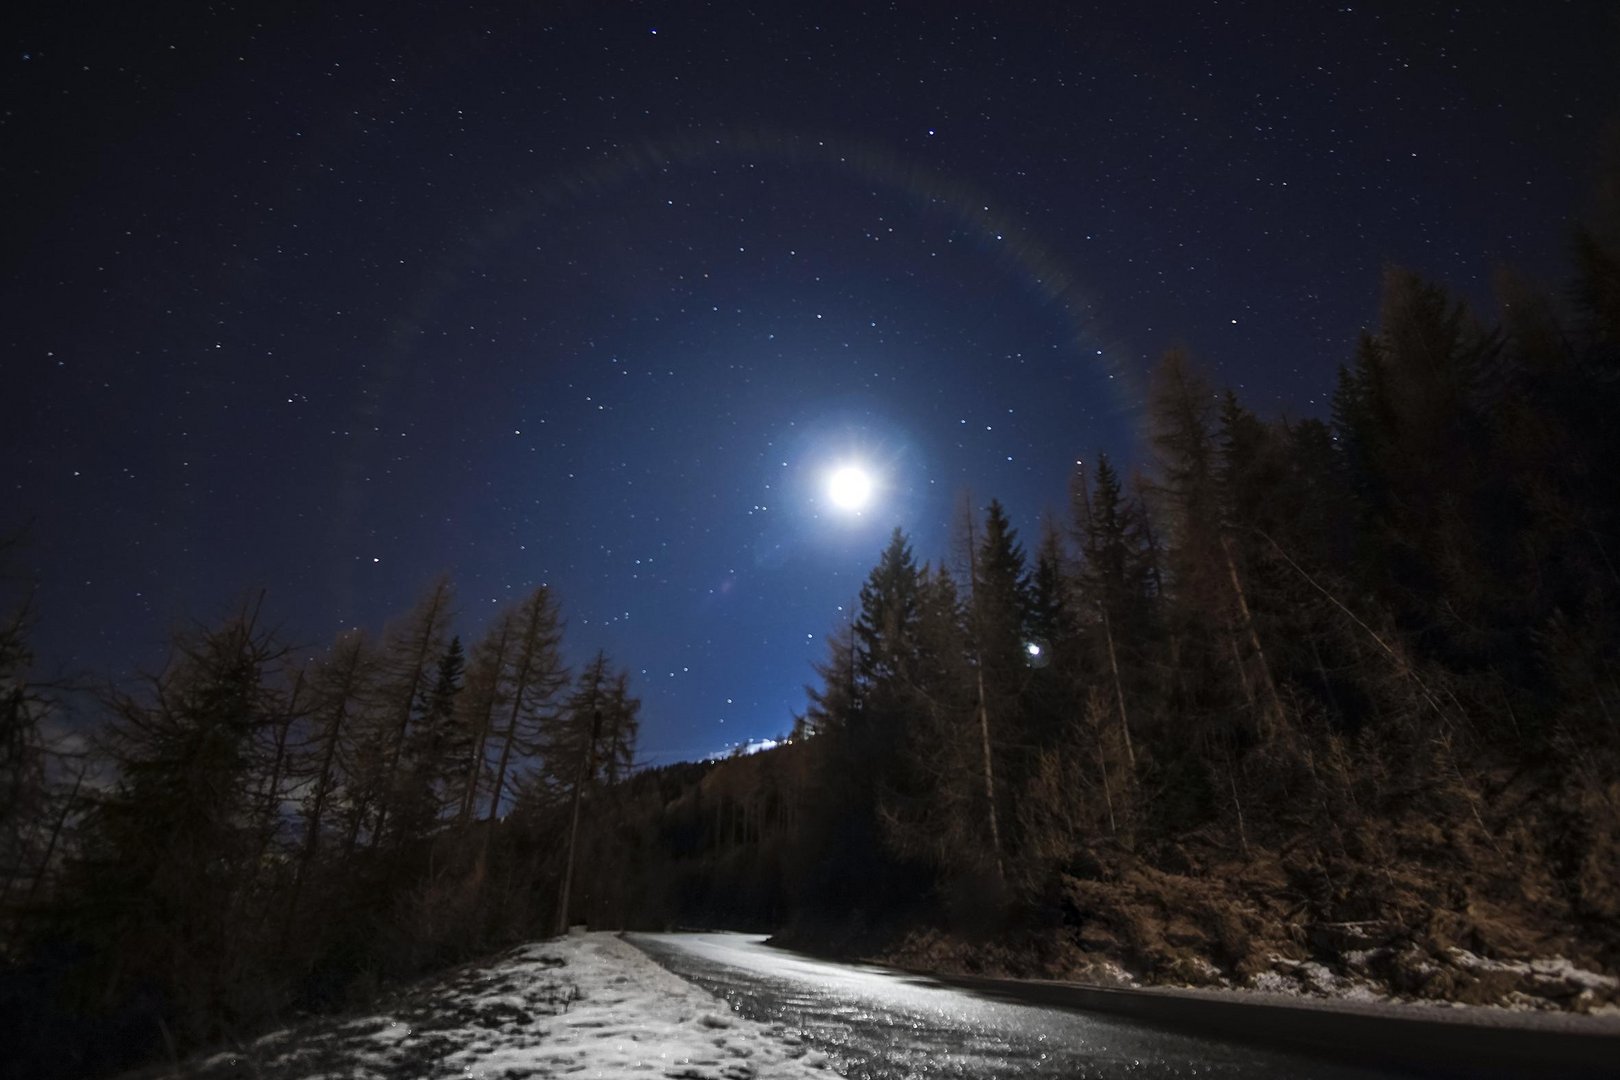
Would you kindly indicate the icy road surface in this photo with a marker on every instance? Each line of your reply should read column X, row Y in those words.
column 878, row 1023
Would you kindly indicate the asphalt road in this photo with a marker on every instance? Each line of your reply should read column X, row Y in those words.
column 876, row 1022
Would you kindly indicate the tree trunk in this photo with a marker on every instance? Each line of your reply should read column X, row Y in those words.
column 984, row 707
column 511, row 729
column 585, row 765
column 989, row 775
column 475, row 766
column 1276, row 721
column 1119, row 689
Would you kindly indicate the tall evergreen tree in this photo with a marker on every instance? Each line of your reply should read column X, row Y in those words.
column 534, row 675
column 862, row 759
column 1052, row 618
column 405, row 669
column 1056, row 659
column 1001, row 601
column 478, row 706
column 998, row 619
column 589, row 744
column 441, row 741
column 885, row 629
column 169, row 849
column 1213, row 597
column 933, row 807
column 1113, row 581
column 337, row 694
column 836, row 699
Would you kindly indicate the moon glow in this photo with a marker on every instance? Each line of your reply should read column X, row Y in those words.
column 849, row 487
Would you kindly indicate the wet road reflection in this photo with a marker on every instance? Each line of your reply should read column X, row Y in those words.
column 877, row 1023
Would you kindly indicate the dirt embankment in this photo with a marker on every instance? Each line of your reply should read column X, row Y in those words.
column 1506, row 909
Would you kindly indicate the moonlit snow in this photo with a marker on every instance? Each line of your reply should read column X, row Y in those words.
column 587, row 1005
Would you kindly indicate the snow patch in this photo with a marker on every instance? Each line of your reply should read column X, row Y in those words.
column 1110, row 973
column 1552, row 968
column 1308, row 978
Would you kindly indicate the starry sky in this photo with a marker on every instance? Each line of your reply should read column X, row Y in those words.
column 333, row 298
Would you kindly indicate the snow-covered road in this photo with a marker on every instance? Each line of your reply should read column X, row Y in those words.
column 730, row 1007
column 581, row 1006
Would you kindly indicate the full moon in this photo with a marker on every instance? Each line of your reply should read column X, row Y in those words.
column 849, row 487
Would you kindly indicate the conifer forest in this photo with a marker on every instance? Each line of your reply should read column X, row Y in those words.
column 1285, row 688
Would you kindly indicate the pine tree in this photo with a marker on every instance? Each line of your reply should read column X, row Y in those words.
column 1441, row 548
column 438, row 745
column 861, row 760
column 886, row 668
column 835, row 701
column 1052, row 618
column 1111, row 578
column 1000, row 604
column 998, row 617
column 589, row 744
column 1213, row 597
column 933, row 807
column 169, row 850
column 477, row 707
column 337, row 694
column 1058, row 666
column 885, row 629
column 405, row 669
column 533, row 676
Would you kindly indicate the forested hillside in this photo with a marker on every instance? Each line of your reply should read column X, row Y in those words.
column 1293, row 692
column 1288, row 692
column 257, row 832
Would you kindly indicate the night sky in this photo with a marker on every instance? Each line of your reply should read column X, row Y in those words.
column 331, row 299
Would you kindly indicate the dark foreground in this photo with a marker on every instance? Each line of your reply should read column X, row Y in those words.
column 876, row 1022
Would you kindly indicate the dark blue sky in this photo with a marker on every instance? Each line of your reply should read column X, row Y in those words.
column 335, row 299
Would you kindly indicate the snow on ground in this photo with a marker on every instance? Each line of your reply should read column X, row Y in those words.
column 1310, row 985
column 1555, row 967
column 1554, row 975
column 1293, row 977
column 1552, row 985
column 588, row 1005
